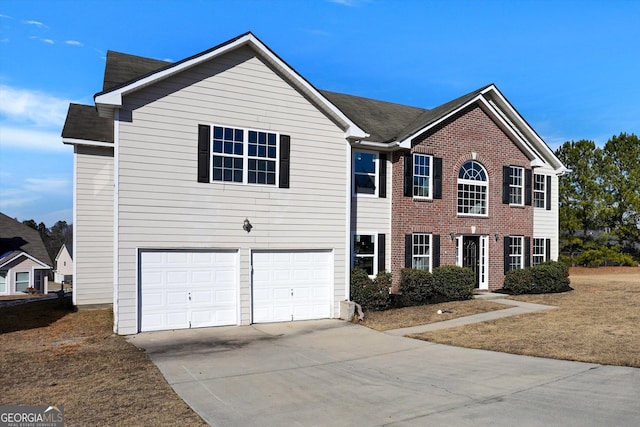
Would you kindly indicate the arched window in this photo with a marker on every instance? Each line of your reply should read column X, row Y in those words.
column 472, row 189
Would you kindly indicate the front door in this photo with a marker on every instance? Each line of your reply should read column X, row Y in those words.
column 471, row 255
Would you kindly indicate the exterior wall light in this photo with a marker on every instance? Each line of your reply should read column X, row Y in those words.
column 452, row 235
column 246, row 226
column 497, row 236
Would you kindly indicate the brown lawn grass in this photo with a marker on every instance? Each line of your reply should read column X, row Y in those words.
column 421, row 315
column 597, row 322
column 51, row 356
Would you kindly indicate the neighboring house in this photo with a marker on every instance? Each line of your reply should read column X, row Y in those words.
column 24, row 261
column 225, row 189
column 64, row 265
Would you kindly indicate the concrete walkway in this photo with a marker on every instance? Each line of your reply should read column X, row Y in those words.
column 518, row 307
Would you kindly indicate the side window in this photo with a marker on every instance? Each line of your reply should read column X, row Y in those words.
column 517, row 252
column 22, row 281
column 364, row 250
column 422, row 176
column 421, row 251
column 516, row 186
column 365, row 173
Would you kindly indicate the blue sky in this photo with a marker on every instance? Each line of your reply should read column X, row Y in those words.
column 571, row 68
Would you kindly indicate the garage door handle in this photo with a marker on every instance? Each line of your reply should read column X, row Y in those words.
column 189, row 296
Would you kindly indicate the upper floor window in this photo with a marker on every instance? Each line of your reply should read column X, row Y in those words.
column 516, row 185
column 472, row 189
column 422, row 176
column 540, row 191
column 365, row 172
column 244, row 156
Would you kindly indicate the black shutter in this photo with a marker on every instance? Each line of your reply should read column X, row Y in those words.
column 381, row 252
column 435, row 251
column 528, row 190
column 527, row 251
column 408, row 175
column 547, row 249
column 548, row 190
column 506, row 180
column 285, row 149
column 437, row 177
column 204, row 152
column 408, row 250
column 506, row 249
column 382, row 185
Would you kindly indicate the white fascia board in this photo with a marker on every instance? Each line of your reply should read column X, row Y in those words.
column 374, row 145
column 28, row 256
column 113, row 99
column 74, row 141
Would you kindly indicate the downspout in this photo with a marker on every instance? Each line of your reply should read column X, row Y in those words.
column 116, row 138
column 347, row 238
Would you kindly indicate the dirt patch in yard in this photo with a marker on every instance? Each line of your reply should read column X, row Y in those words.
column 52, row 356
column 421, row 315
column 596, row 322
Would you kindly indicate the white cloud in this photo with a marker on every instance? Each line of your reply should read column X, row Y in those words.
column 34, row 107
column 12, row 198
column 28, row 139
column 48, row 41
column 35, row 23
column 47, row 185
column 74, row 43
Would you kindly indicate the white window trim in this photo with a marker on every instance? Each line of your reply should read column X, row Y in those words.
column 245, row 156
column 6, row 283
column 543, row 191
column 511, row 255
column 430, row 176
column 15, row 280
column 535, row 255
column 430, row 255
column 376, row 177
column 519, row 187
column 375, row 250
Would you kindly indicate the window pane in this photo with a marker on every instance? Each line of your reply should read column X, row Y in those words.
column 365, row 163
column 22, row 281
column 3, row 282
column 365, row 184
column 421, row 175
column 366, row 263
column 363, row 244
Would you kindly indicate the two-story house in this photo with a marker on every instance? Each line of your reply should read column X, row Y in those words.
column 225, row 189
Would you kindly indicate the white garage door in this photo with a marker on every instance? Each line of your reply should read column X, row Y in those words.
column 291, row 286
column 180, row 289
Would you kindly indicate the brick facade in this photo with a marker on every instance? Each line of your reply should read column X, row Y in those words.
column 469, row 135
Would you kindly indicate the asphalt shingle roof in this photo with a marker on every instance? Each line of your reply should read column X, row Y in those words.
column 15, row 237
column 383, row 121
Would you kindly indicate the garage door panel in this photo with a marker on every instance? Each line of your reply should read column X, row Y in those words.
column 291, row 285
column 182, row 289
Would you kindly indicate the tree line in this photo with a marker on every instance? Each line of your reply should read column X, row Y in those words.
column 53, row 238
column 600, row 202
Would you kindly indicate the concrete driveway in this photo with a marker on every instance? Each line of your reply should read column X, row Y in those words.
column 333, row 373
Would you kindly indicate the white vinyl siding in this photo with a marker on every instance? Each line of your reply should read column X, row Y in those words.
column 93, row 226
column 161, row 204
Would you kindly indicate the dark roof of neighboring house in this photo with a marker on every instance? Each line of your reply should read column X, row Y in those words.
column 83, row 122
column 16, row 237
column 383, row 121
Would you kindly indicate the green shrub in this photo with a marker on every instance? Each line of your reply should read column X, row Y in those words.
column 604, row 256
column 416, row 287
column 453, row 283
column 518, row 281
column 372, row 295
column 548, row 277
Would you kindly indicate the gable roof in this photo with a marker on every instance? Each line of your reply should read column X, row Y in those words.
column 17, row 238
column 380, row 124
column 109, row 100
column 65, row 247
